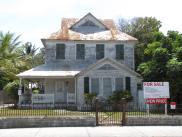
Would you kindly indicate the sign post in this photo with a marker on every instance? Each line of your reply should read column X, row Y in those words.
column 156, row 93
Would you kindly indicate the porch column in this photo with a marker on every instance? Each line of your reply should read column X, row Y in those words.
column 20, row 92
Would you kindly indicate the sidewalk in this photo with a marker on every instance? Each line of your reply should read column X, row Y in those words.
column 132, row 131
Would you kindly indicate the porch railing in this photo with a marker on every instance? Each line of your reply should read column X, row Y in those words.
column 71, row 98
column 42, row 98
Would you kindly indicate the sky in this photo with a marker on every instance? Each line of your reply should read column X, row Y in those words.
column 36, row 19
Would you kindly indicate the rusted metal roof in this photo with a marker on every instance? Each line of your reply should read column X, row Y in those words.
column 65, row 33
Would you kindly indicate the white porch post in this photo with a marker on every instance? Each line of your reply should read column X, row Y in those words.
column 20, row 92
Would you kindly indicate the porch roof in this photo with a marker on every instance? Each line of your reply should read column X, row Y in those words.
column 52, row 70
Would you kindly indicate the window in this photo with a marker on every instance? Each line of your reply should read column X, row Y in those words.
column 80, row 51
column 60, row 51
column 107, row 87
column 119, row 51
column 99, row 51
column 119, row 84
column 95, row 85
column 86, row 84
column 128, row 83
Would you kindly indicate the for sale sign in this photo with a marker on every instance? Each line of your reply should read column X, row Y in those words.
column 156, row 89
column 156, row 101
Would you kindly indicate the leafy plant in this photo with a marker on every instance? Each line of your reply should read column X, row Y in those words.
column 12, row 90
column 90, row 97
column 36, row 91
column 117, row 96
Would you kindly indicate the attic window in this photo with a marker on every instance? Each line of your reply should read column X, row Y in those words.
column 89, row 23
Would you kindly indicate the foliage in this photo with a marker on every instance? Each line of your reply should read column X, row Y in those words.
column 90, row 97
column 12, row 89
column 35, row 91
column 140, row 28
column 117, row 96
column 15, row 57
column 145, row 29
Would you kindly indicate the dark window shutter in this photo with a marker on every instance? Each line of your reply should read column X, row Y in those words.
column 86, row 84
column 119, row 51
column 60, row 51
column 80, row 51
column 128, row 83
column 99, row 51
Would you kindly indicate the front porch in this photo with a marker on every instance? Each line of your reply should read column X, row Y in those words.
column 47, row 91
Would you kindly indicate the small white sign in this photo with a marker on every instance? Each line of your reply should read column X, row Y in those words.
column 19, row 92
column 156, row 89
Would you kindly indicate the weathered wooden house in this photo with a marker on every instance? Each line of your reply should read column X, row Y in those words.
column 85, row 55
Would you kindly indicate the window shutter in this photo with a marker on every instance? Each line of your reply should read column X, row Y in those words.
column 86, row 84
column 119, row 51
column 80, row 51
column 60, row 51
column 128, row 83
column 99, row 51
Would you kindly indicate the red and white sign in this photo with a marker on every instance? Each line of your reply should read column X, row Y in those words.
column 156, row 101
column 173, row 105
column 156, row 89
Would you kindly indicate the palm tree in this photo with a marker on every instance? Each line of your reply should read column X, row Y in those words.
column 10, row 60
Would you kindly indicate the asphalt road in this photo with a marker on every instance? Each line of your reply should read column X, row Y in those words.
column 128, row 131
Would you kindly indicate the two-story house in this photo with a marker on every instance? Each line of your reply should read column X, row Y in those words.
column 86, row 55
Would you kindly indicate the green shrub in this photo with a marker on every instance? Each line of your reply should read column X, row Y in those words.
column 35, row 91
column 90, row 97
column 12, row 90
column 117, row 96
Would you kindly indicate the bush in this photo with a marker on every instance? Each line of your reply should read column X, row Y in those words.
column 117, row 96
column 35, row 91
column 12, row 90
column 90, row 97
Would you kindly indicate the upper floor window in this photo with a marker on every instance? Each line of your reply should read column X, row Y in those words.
column 99, row 51
column 60, row 51
column 80, row 51
column 119, row 51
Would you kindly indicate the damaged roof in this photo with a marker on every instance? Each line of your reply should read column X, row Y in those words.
column 111, row 33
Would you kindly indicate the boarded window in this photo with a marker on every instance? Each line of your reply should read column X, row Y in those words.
column 95, row 85
column 60, row 51
column 80, row 51
column 86, row 84
column 128, row 83
column 99, row 51
column 119, row 51
column 107, row 87
column 119, row 84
